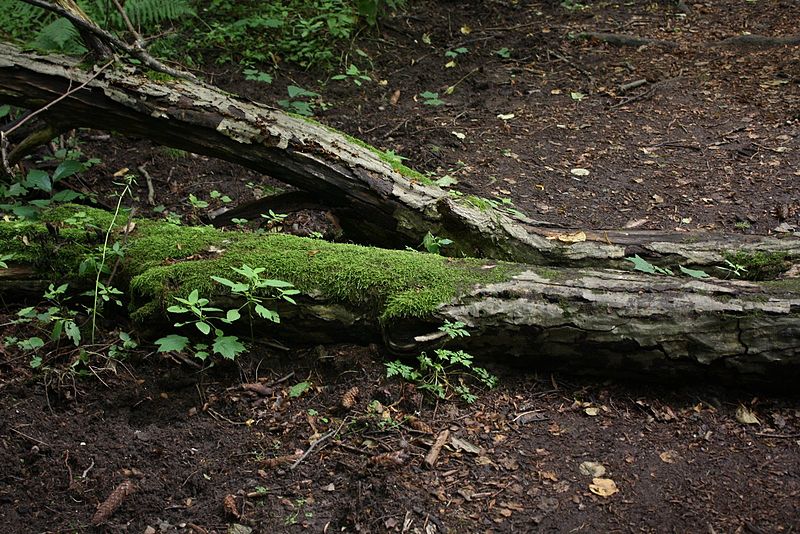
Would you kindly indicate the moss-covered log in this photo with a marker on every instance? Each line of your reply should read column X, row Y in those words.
column 379, row 201
column 581, row 319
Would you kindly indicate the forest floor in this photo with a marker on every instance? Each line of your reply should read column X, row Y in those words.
column 690, row 131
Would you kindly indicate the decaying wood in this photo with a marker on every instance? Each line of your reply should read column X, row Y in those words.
column 580, row 319
column 433, row 454
column 379, row 205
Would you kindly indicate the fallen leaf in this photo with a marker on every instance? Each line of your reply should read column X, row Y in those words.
column 593, row 411
column 592, row 469
column 548, row 475
column 746, row 416
column 578, row 171
column 575, row 237
column 505, row 116
column 394, row 98
column 605, row 487
column 459, row 135
column 465, row 29
column 669, row 457
column 465, row 446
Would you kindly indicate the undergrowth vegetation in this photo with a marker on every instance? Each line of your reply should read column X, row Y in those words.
column 304, row 32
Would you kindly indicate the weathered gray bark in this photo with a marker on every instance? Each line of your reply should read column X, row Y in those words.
column 379, row 205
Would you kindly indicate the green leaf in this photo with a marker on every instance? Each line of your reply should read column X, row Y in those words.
column 5, row 109
column 643, row 265
column 228, row 347
column 67, row 168
column 267, row 314
column 172, row 342
column 298, row 389
column 72, row 332
column 67, row 195
column 38, row 179
column 36, row 362
column 236, row 287
column 177, row 309
column 205, row 328
column 274, row 283
column 295, row 92
column 693, row 272
column 232, row 315
column 32, row 343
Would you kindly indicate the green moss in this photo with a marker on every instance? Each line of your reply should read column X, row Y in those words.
column 158, row 76
column 483, row 204
column 394, row 161
column 760, row 265
column 390, row 283
column 64, row 212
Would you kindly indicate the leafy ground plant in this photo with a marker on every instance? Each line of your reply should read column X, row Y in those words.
column 447, row 372
column 210, row 321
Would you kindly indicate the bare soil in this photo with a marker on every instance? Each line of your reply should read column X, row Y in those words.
column 691, row 132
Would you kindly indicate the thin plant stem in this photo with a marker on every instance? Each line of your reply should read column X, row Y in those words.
column 125, row 191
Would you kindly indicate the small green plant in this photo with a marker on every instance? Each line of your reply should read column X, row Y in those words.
column 203, row 318
column 640, row 264
column 300, row 101
column 197, row 204
column 209, row 320
column 25, row 196
column 58, row 317
column 735, row 269
column 354, row 74
column 431, row 99
column 742, row 225
column 504, row 53
column 434, row 244
column 256, row 75
column 5, row 258
column 252, row 290
column 274, row 220
column 216, row 195
column 298, row 389
column 446, row 372
column 453, row 55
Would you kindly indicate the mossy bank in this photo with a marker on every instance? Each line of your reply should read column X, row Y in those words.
column 162, row 260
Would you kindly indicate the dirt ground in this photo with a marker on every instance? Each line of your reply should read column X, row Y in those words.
column 691, row 132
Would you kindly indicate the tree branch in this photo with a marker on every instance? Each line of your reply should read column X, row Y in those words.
column 106, row 37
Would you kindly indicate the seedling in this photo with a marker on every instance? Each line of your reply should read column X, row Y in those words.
column 434, row 244
column 296, row 102
column 353, row 74
column 504, row 53
column 446, row 372
column 431, row 99
column 256, row 75
column 453, row 54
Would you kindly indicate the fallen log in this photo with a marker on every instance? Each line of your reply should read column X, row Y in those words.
column 378, row 201
column 581, row 319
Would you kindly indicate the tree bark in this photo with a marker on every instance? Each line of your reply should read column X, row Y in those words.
column 603, row 321
column 378, row 203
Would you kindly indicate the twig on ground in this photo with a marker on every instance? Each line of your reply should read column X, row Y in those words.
column 315, row 444
column 436, row 448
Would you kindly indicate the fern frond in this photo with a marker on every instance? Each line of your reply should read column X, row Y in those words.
column 21, row 21
column 59, row 36
column 146, row 14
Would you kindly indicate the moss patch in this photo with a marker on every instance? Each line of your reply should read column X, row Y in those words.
column 393, row 161
column 760, row 265
column 389, row 283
